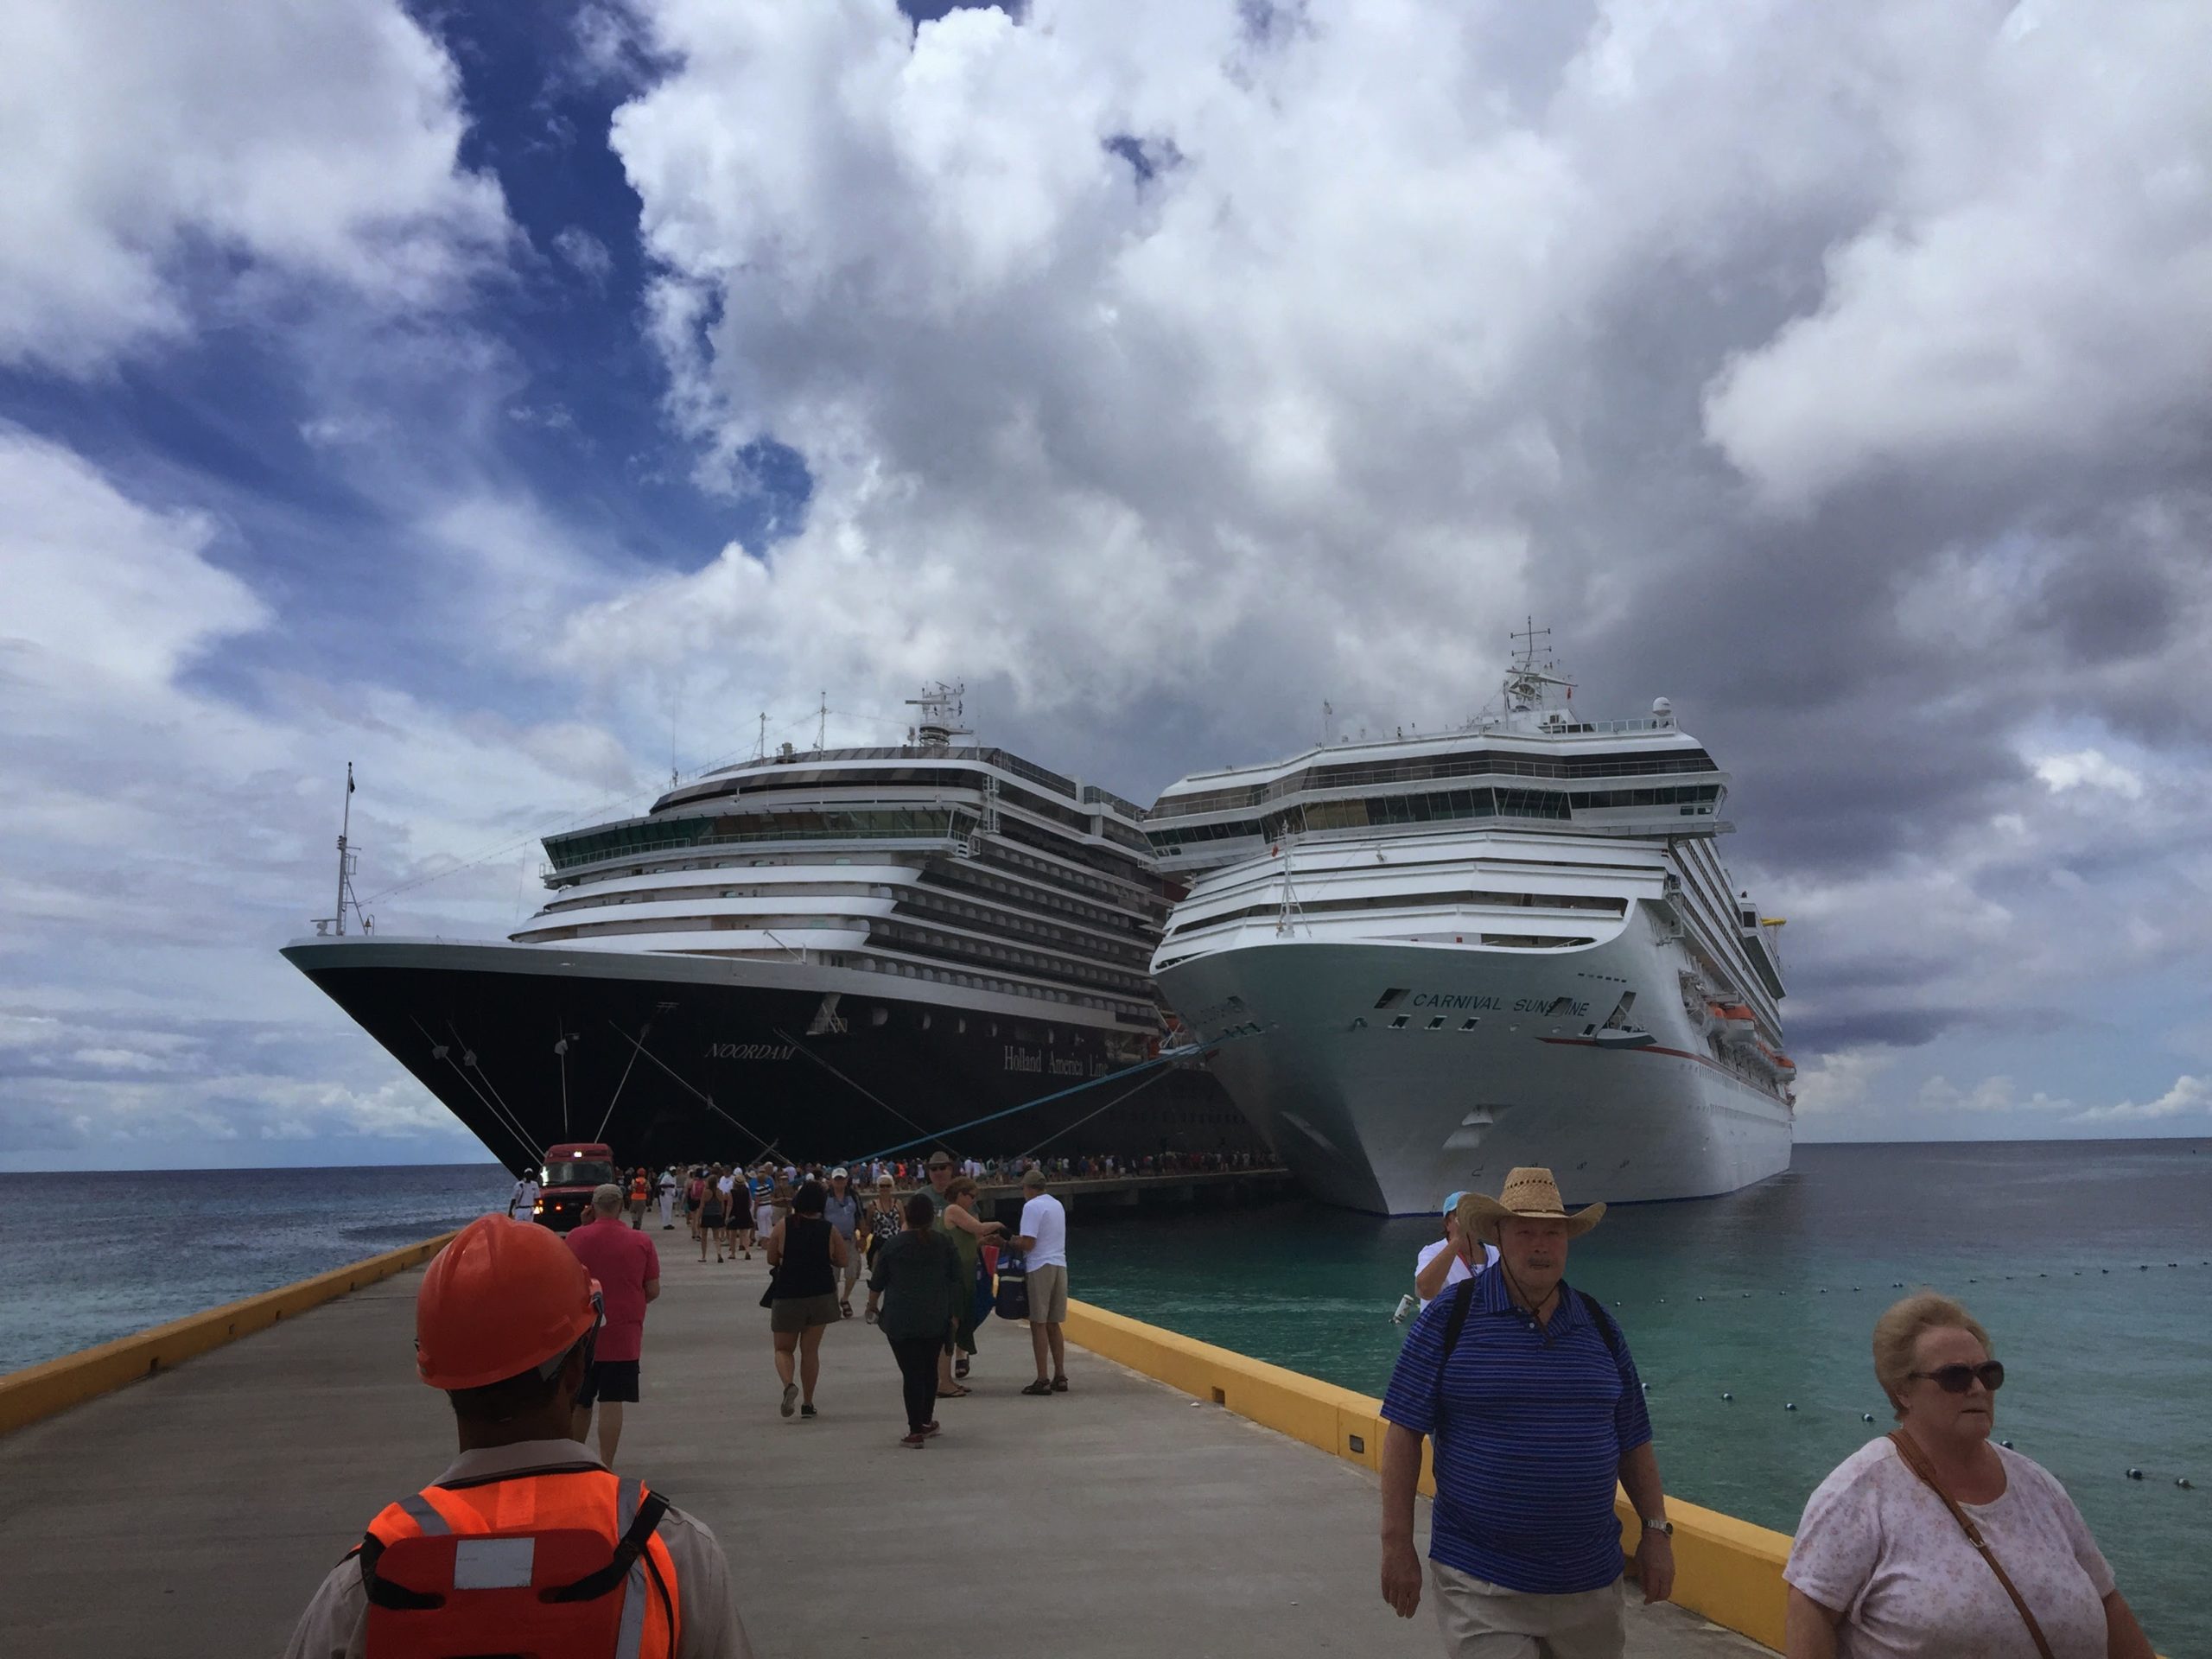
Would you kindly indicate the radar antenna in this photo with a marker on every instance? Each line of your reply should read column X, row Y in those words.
column 1535, row 677
column 940, row 707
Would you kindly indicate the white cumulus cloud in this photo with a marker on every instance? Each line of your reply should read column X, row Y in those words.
column 153, row 150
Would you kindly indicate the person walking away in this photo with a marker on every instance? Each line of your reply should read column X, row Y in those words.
column 804, row 1252
column 841, row 1210
column 1885, row 1564
column 916, row 1279
column 967, row 1230
column 737, row 1202
column 716, row 1194
column 625, row 1266
column 1044, row 1246
column 1451, row 1260
column 505, row 1325
column 695, row 1193
column 765, row 1214
column 667, row 1189
column 738, row 1220
column 640, row 1194
column 885, row 1221
column 1528, row 1390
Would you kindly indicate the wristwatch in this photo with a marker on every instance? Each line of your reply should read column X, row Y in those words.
column 1664, row 1529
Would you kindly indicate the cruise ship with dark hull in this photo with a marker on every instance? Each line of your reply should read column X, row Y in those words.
column 817, row 956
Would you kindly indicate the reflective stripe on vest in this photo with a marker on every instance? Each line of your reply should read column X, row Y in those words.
column 449, row 1569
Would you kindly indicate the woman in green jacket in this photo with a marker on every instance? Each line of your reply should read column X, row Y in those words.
column 917, row 1275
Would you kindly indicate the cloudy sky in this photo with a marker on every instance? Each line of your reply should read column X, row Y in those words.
column 519, row 400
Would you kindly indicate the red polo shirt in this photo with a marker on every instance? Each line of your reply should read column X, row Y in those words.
column 623, row 1262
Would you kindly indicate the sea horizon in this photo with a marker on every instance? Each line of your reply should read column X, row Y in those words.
column 489, row 1162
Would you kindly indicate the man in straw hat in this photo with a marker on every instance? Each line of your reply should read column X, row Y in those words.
column 1528, row 1390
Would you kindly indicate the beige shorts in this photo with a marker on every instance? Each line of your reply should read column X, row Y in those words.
column 1048, row 1296
column 1482, row 1620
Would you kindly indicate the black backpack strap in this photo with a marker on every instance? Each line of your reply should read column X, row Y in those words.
column 383, row 1593
column 1455, row 1321
column 1603, row 1321
column 593, row 1586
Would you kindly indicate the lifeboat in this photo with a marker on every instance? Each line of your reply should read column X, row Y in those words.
column 1777, row 1065
column 1735, row 1022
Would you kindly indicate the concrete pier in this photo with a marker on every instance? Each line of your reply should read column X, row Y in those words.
column 195, row 1512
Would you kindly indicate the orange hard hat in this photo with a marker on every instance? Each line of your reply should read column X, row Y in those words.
column 502, row 1298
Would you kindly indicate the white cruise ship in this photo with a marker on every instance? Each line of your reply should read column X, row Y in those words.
column 1430, row 959
column 825, row 953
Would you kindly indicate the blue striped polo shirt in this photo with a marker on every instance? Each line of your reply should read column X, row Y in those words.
column 1530, row 1425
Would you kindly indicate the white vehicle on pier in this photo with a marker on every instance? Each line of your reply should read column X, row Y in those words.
column 1429, row 959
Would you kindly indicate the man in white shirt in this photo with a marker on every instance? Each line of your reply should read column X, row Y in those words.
column 523, row 1206
column 1044, row 1246
column 668, row 1199
column 1450, row 1259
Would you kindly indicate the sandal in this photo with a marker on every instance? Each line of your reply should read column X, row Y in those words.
column 1059, row 1385
column 845, row 1310
column 960, row 1366
column 956, row 1392
column 1039, row 1387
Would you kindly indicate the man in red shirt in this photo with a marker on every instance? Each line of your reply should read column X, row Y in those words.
column 626, row 1267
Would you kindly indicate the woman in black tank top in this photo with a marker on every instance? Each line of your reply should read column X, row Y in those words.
column 804, row 1254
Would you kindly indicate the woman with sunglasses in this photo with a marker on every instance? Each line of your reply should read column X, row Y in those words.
column 1886, row 1566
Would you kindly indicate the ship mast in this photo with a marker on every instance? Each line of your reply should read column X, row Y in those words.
column 347, row 860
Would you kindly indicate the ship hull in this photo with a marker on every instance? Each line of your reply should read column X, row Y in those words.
column 670, row 1058
column 1495, row 1066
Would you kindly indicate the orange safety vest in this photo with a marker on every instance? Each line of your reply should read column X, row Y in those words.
column 564, row 1562
column 638, row 1192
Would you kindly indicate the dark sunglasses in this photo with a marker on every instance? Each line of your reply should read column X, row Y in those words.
column 1957, row 1379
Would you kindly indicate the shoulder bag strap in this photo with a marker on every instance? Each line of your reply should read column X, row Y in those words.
column 1915, row 1460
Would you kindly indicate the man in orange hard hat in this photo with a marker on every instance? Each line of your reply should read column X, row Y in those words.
column 526, row 1544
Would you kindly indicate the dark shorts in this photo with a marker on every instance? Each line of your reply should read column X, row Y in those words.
column 789, row 1313
column 612, row 1381
column 713, row 1219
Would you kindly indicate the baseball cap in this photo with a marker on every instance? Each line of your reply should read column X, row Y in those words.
column 1452, row 1202
column 938, row 1161
column 841, row 1170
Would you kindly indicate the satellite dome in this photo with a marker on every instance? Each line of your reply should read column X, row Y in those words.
column 1661, row 709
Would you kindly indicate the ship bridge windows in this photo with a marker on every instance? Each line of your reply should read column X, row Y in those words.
column 815, row 824
column 1419, row 768
column 1168, row 840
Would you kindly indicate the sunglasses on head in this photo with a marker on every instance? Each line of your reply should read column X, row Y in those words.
column 1957, row 1379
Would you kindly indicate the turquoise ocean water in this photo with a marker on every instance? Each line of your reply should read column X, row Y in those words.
column 2062, row 1250
column 2091, row 1265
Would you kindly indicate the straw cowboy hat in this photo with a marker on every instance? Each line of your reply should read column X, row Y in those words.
column 1530, row 1193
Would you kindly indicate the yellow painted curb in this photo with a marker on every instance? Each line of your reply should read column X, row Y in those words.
column 1727, row 1570
column 41, row 1390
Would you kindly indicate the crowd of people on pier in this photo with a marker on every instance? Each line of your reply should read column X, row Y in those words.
column 1929, row 1542
column 533, row 1336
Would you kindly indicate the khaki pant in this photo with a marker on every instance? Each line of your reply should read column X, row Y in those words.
column 1482, row 1620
